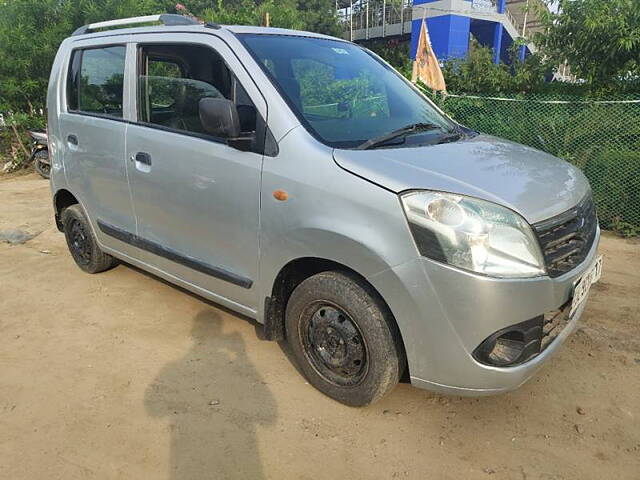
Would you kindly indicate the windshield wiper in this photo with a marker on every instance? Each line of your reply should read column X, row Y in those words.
column 451, row 137
column 382, row 139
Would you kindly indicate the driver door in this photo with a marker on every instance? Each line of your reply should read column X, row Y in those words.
column 196, row 199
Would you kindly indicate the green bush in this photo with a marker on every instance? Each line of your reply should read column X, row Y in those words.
column 14, row 139
column 616, row 189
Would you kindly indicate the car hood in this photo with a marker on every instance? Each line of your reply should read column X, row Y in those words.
column 533, row 183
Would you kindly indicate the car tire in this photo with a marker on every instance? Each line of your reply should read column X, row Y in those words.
column 344, row 338
column 82, row 244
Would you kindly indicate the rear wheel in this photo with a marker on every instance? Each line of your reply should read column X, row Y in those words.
column 82, row 244
column 41, row 163
column 344, row 338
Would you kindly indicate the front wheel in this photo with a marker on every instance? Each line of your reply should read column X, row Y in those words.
column 344, row 338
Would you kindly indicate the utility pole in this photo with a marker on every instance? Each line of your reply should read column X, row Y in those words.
column 351, row 22
column 367, row 22
column 384, row 18
column 524, row 24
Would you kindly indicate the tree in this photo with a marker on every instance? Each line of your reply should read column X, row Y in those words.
column 282, row 13
column 599, row 39
column 320, row 16
column 32, row 30
column 314, row 15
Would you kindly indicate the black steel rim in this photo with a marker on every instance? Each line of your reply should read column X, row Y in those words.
column 80, row 243
column 333, row 344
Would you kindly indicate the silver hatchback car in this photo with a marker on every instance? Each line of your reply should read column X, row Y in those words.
column 299, row 180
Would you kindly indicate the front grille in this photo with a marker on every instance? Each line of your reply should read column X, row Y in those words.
column 531, row 337
column 567, row 238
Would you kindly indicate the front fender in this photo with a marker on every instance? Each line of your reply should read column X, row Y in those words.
column 316, row 243
column 328, row 214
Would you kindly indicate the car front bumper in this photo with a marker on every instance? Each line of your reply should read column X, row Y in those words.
column 444, row 313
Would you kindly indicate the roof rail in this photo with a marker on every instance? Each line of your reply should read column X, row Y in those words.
column 167, row 19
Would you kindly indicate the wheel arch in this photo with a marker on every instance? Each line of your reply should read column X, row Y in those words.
column 62, row 199
column 290, row 276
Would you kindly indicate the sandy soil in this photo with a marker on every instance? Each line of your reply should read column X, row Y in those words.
column 120, row 375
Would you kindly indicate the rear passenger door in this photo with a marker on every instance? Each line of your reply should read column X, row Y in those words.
column 196, row 197
column 92, row 129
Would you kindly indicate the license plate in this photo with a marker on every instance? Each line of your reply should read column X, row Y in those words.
column 582, row 286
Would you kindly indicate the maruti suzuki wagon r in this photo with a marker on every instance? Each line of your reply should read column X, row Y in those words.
column 299, row 180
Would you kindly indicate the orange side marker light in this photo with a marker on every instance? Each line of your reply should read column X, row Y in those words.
column 280, row 195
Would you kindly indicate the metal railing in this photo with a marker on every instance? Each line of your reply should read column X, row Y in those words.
column 365, row 19
column 519, row 27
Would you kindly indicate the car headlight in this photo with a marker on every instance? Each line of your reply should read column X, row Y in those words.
column 473, row 234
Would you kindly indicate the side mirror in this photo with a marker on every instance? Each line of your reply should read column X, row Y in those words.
column 219, row 117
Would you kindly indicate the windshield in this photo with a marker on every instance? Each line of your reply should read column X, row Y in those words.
column 340, row 92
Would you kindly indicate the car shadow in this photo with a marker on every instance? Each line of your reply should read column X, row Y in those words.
column 212, row 421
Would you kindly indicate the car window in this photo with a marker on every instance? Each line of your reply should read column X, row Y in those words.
column 164, row 68
column 330, row 94
column 174, row 78
column 173, row 97
column 341, row 93
column 98, row 85
column 161, row 73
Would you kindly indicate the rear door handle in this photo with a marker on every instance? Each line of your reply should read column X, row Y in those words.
column 72, row 139
column 143, row 157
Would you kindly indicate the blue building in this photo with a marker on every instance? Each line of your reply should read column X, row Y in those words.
column 451, row 23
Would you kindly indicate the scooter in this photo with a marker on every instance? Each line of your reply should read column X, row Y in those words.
column 40, row 153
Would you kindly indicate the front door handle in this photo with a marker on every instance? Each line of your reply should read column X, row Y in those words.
column 73, row 140
column 143, row 158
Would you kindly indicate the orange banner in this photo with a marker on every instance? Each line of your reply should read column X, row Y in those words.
column 426, row 67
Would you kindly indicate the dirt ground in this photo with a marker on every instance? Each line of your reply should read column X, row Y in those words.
column 120, row 375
